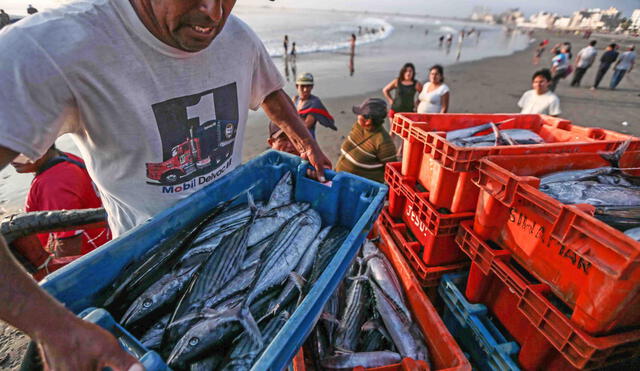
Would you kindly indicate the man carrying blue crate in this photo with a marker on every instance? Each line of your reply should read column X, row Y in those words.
column 156, row 106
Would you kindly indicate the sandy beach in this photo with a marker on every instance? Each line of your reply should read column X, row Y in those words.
column 490, row 85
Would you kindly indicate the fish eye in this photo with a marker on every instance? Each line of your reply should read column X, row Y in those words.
column 147, row 303
column 158, row 325
column 194, row 341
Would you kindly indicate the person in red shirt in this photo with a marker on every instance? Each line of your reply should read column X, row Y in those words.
column 61, row 182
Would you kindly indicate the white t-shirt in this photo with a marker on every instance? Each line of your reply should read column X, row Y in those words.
column 431, row 101
column 587, row 55
column 626, row 60
column 153, row 123
column 546, row 104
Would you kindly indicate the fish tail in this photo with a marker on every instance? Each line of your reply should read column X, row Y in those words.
column 615, row 156
column 250, row 325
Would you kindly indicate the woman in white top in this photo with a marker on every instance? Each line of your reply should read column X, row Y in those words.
column 434, row 97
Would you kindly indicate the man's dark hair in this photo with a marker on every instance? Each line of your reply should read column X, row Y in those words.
column 543, row 72
column 593, row 42
column 613, row 45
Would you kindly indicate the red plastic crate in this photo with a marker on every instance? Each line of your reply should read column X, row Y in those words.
column 429, row 277
column 447, row 170
column 548, row 339
column 434, row 230
column 444, row 352
column 593, row 267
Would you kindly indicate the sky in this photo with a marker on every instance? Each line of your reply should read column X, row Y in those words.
column 441, row 8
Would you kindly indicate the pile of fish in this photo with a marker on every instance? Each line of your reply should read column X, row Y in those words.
column 366, row 322
column 213, row 297
column 614, row 193
column 510, row 137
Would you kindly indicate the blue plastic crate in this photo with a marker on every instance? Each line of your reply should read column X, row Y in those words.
column 149, row 359
column 350, row 201
column 473, row 330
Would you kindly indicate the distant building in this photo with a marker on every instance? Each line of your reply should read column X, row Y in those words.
column 562, row 22
column 542, row 20
column 635, row 19
column 595, row 19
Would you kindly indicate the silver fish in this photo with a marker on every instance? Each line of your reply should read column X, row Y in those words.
column 467, row 132
column 614, row 179
column 521, row 136
column 265, row 226
column 353, row 317
column 363, row 359
column 158, row 294
column 282, row 193
column 207, row 364
column 282, row 256
column 302, row 270
column 406, row 337
column 575, row 175
column 593, row 193
column 245, row 352
column 380, row 269
column 152, row 339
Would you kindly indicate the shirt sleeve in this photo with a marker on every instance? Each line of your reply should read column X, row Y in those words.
column 445, row 89
column 34, row 95
column 554, row 107
column 523, row 100
column 265, row 78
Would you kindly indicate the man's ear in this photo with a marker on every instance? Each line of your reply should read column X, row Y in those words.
column 270, row 142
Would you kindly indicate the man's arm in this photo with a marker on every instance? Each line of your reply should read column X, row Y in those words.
column 282, row 112
column 68, row 342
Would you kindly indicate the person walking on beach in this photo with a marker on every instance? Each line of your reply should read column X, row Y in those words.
column 622, row 66
column 540, row 100
column 293, row 52
column 406, row 86
column 4, row 19
column 31, row 10
column 434, row 97
column 539, row 51
column 286, row 45
column 310, row 107
column 137, row 92
column 368, row 146
column 440, row 41
column 61, row 182
column 352, row 44
column 559, row 66
column 608, row 57
column 584, row 60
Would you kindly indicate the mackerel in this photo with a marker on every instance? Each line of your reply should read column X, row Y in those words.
column 521, row 136
column 468, row 132
column 245, row 352
column 380, row 269
column 282, row 256
column 362, row 359
column 265, row 226
column 406, row 337
column 282, row 193
column 575, row 175
column 326, row 251
column 353, row 317
column 207, row 364
column 302, row 270
column 633, row 233
column 152, row 339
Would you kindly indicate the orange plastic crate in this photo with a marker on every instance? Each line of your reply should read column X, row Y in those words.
column 444, row 352
column 447, row 170
column 593, row 267
column 434, row 230
column 548, row 339
column 429, row 277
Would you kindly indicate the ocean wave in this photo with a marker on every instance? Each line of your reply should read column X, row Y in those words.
column 385, row 30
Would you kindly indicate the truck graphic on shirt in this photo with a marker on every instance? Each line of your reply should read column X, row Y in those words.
column 210, row 146
column 197, row 135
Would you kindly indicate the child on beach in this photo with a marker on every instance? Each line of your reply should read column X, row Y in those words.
column 310, row 108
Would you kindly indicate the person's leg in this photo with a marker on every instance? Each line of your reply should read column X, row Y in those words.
column 599, row 76
column 616, row 78
column 554, row 80
column 577, row 76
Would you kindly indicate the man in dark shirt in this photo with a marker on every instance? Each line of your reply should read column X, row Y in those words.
column 610, row 55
